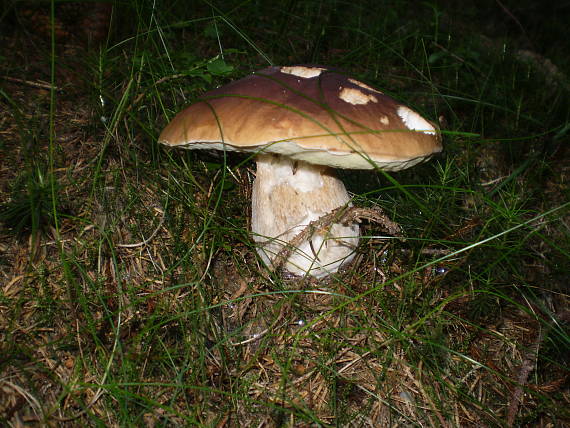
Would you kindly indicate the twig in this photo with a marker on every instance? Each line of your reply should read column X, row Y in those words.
column 353, row 362
column 526, row 368
column 147, row 240
column 257, row 336
column 253, row 338
column 39, row 84
column 443, row 48
column 515, row 19
column 438, row 252
column 341, row 215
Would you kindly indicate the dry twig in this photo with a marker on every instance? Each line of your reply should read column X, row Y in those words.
column 526, row 369
column 341, row 215
column 152, row 235
column 39, row 84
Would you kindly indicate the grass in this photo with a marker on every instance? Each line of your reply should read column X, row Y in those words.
column 131, row 291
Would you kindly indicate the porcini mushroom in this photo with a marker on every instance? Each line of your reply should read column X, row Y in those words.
column 301, row 122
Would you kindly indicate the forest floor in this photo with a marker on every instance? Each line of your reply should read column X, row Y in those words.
column 131, row 293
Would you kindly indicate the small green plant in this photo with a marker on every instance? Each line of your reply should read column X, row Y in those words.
column 32, row 204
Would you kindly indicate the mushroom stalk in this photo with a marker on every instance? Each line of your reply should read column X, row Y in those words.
column 287, row 196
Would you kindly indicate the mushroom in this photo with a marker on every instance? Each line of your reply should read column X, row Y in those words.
column 301, row 122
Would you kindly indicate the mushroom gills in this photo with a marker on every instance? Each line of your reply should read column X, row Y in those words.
column 287, row 196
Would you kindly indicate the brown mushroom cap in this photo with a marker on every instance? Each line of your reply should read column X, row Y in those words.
column 308, row 113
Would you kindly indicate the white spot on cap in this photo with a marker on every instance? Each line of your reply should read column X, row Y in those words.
column 384, row 120
column 414, row 121
column 363, row 85
column 300, row 71
column 354, row 96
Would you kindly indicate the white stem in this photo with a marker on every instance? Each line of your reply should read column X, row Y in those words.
column 288, row 195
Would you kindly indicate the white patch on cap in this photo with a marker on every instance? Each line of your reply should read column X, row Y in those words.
column 414, row 121
column 384, row 120
column 363, row 85
column 354, row 96
column 300, row 71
